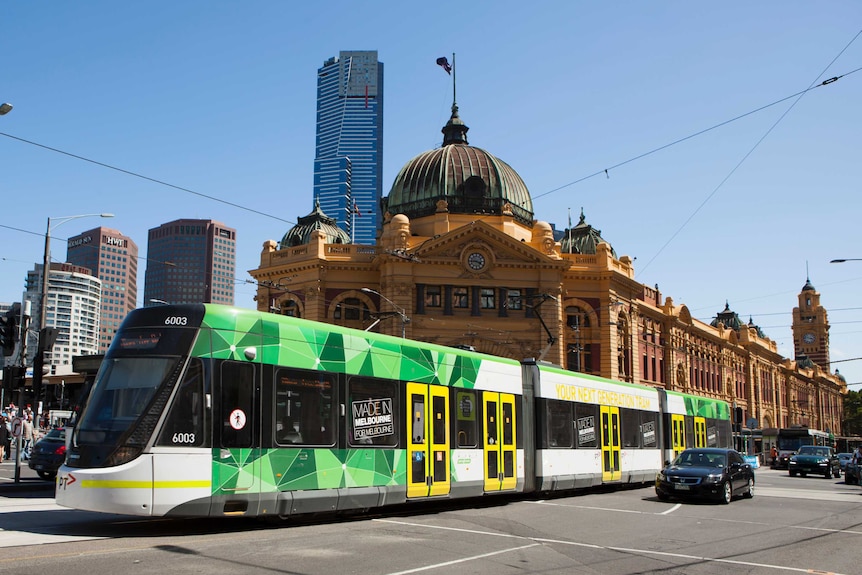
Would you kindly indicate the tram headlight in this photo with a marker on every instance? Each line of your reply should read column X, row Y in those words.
column 122, row 455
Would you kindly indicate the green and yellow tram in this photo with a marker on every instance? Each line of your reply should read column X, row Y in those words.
column 208, row 410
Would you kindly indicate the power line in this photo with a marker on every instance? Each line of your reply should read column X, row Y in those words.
column 143, row 177
column 753, row 148
column 701, row 132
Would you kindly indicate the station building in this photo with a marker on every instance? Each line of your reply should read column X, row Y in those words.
column 461, row 260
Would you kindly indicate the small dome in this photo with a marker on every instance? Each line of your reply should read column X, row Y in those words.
column 469, row 179
column 803, row 360
column 300, row 234
column 756, row 328
column 582, row 239
column 808, row 286
column 840, row 377
column 729, row 318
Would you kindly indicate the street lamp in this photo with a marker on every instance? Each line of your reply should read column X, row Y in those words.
column 46, row 263
column 398, row 310
column 5, row 108
column 842, row 260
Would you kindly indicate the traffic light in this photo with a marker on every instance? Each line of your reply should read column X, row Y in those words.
column 13, row 379
column 8, row 333
column 47, row 337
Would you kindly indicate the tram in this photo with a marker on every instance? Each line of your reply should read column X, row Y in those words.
column 209, row 410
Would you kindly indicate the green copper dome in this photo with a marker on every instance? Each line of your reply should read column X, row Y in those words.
column 300, row 234
column 469, row 179
column 582, row 239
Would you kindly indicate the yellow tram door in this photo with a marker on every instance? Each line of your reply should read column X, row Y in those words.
column 610, row 443
column 499, row 441
column 700, row 432
column 677, row 423
column 428, row 469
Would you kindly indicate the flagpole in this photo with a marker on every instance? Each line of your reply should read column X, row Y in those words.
column 454, row 100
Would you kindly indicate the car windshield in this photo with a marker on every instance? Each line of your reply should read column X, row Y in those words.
column 700, row 459
column 56, row 434
column 813, row 450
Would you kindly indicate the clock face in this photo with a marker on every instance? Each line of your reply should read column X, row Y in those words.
column 808, row 337
column 476, row 261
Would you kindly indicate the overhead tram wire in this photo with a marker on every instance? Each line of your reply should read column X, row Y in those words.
column 701, row 132
column 572, row 183
column 149, row 179
column 755, row 146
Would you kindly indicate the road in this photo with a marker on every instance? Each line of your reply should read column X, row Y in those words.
column 793, row 525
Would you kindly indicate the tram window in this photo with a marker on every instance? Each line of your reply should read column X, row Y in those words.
column 185, row 422
column 303, row 407
column 631, row 423
column 585, row 423
column 466, row 418
column 373, row 409
column 711, row 433
column 649, row 429
column 237, row 404
column 689, row 431
column 559, row 424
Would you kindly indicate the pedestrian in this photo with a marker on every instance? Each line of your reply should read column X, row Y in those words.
column 774, row 455
column 4, row 435
column 8, row 426
column 27, row 436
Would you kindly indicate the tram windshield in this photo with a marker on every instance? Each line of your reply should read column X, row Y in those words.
column 124, row 389
column 140, row 362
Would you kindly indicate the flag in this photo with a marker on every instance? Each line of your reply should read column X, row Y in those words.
column 444, row 63
column 356, row 210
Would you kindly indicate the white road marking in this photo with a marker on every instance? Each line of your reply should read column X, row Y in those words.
column 593, row 546
column 464, row 560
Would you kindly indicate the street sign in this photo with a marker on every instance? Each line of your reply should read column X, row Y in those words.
column 17, row 426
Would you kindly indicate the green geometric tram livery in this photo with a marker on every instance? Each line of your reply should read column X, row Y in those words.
column 207, row 410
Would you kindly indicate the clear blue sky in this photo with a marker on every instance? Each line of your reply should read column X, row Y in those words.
column 219, row 98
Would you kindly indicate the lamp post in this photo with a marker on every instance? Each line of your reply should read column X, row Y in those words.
column 399, row 310
column 46, row 263
column 5, row 108
column 842, row 260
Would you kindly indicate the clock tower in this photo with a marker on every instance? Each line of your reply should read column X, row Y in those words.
column 811, row 328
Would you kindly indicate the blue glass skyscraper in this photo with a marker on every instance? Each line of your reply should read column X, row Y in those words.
column 348, row 160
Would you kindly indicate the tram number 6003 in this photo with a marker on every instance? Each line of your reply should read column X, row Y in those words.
column 184, row 438
column 176, row 320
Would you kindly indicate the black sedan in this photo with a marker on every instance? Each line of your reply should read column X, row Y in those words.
column 48, row 454
column 706, row 473
column 817, row 459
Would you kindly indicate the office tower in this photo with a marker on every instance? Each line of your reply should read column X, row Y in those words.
column 113, row 258
column 73, row 307
column 348, row 160
column 190, row 261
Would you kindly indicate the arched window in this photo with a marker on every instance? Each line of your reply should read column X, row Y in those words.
column 351, row 309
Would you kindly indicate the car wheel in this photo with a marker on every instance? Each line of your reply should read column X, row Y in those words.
column 47, row 475
column 802, row 474
column 661, row 496
column 726, row 493
column 792, row 474
column 749, row 489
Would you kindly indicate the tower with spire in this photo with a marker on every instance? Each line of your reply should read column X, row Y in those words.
column 811, row 328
